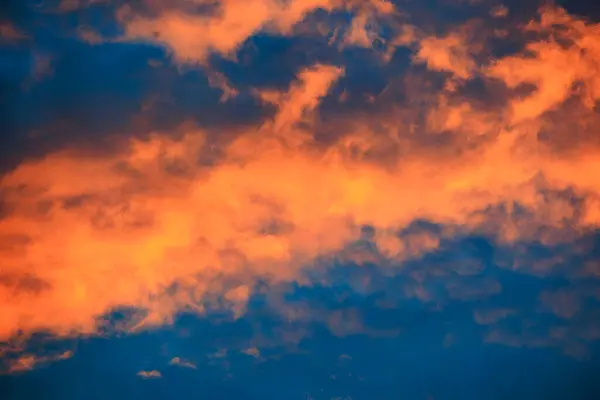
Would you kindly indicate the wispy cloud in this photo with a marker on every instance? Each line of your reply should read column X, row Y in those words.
column 177, row 361
column 26, row 362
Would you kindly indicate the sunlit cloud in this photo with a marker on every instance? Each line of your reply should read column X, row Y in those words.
column 26, row 362
column 153, row 374
column 154, row 225
column 182, row 363
column 192, row 37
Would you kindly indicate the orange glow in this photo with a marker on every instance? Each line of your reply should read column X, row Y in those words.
column 192, row 37
column 149, row 227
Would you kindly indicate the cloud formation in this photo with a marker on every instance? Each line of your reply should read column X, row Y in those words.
column 153, row 374
column 176, row 221
column 26, row 362
column 222, row 27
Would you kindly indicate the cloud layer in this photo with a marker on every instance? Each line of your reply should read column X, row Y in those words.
column 474, row 140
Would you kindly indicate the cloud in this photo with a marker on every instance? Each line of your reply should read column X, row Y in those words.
column 499, row 11
column 41, row 69
column 562, row 66
column 450, row 53
column 571, row 342
column 220, row 81
column 193, row 37
column 302, row 98
column 26, row 362
column 66, row 6
column 182, row 363
column 153, row 226
column 563, row 303
column 94, row 208
column 252, row 352
column 9, row 33
column 154, row 374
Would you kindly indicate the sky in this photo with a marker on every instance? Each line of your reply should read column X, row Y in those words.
column 299, row 199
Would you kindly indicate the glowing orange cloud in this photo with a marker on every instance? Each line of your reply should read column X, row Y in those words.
column 552, row 68
column 27, row 362
column 192, row 37
column 150, row 227
column 153, row 374
column 449, row 54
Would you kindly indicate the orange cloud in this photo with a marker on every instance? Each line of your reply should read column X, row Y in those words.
column 303, row 97
column 182, row 363
column 192, row 37
column 500, row 11
column 564, row 65
column 27, row 362
column 450, row 53
column 154, row 374
column 149, row 227
column 218, row 80
column 364, row 27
